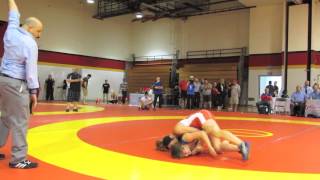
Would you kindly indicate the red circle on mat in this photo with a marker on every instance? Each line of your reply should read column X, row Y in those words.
column 292, row 148
column 50, row 107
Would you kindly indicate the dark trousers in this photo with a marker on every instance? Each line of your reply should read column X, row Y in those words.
column 220, row 99
column 30, row 107
column 49, row 94
column 176, row 100
column 214, row 101
column 197, row 100
column 190, row 101
column 124, row 97
column 156, row 96
column 297, row 109
column 263, row 104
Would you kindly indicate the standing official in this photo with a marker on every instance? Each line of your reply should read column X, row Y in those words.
column 18, row 84
column 105, row 88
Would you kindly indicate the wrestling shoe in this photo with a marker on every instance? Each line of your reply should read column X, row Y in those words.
column 244, row 150
column 26, row 164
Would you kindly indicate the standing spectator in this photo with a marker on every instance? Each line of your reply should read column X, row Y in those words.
column 298, row 100
column 307, row 89
column 271, row 88
column 201, row 92
column 124, row 90
column 18, row 84
column 183, row 85
column 215, row 95
column 190, row 93
column 235, row 95
column 207, row 89
column 226, row 101
column 157, row 91
column 106, row 87
column 276, row 89
column 85, row 82
column 197, row 86
column 64, row 90
column 49, row 85
column 74, row 91
column 222, row 88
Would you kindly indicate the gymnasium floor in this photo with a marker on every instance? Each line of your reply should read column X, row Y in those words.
column 116, row 142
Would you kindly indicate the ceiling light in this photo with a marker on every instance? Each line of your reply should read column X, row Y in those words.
column 139, row 15
column 90, row 1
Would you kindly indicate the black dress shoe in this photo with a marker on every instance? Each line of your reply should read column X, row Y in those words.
column 2, row 156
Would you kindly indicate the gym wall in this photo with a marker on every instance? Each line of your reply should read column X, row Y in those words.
column 267, row 38
column 70, row 28
column 215, row 31
column 266, row 32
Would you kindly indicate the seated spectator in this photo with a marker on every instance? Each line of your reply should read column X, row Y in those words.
column 265, row 102
column 145, row 102
column 145, row 89
column 114, row 98
column 284, row 94
column 298, row 100
column 315, row 93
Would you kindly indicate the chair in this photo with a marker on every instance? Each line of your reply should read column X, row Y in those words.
column 282, row 105
column 312, row 108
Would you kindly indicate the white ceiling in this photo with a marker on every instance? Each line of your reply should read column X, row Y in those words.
column 260, row 2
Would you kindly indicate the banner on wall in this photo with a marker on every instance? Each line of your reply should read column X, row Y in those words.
column 312, row 108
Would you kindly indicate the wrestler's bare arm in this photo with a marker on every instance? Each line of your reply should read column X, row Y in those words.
column 201, row 136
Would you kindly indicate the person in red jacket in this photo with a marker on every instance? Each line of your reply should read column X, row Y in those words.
column 183, row 85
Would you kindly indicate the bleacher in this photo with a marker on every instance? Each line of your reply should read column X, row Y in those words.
column 210, row 71
column 144, row 76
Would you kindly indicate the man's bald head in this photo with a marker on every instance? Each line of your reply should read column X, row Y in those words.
column 34, row 26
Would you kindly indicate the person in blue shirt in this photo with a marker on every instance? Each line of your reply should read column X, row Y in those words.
column 18, row 84
column 298, row 99
column 157, row 91
column 316, row 92
column 190, row 93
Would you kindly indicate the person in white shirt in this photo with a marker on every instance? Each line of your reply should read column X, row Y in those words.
column 235, row 95
column 307, row 89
